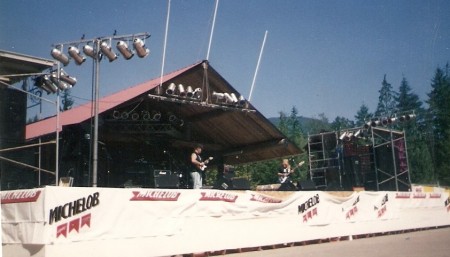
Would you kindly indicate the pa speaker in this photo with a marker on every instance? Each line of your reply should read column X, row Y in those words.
column 167, row 181
column 287, row 186
column 306, row 185
column 240, row 184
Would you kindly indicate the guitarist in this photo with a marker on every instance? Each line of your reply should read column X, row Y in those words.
column 286, row 170
column 197, row 167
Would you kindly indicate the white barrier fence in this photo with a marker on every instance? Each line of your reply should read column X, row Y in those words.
column 70, row 221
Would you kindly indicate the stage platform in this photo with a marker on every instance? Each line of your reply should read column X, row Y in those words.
column 75, row 221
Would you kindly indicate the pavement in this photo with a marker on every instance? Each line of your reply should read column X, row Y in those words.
column 424, row 243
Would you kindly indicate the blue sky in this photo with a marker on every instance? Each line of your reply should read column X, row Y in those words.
column 320, row 56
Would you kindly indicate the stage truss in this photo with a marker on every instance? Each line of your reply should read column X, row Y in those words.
column 373, row 158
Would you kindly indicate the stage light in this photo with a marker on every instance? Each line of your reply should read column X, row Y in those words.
column 357, row 133
column 343, row 135
column 66, row 78
column 384, row 122
column 218, row 96
column 189, row 92
column 116, row 115
column 124, row 115
column 58, row 55
column 407, row 117
column 124, row 50
column 156, row 116
column 76, row 56
column 48, row 85
column 59, row 83
column 135, row 116
column 242, row 100
column 233, row 96
column 139, row 47
column 145, row 115
column 375, row 123
column 392, row 120
column 181, row 91
column 228, row 98
column 107, row 51
column 171, row 89
column 197, row 94
column 89, row 51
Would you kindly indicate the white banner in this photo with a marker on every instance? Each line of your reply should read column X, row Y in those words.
column 146, row 220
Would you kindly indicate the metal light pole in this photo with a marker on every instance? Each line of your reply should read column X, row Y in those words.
column 97, row 50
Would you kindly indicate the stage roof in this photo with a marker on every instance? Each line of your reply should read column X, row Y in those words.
column 239, row 134
column 20, row 64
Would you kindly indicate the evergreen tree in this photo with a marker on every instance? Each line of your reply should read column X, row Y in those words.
column 340, row 123
column 420, row 162
column 439, row 111
column 363, row 115
column 67, row 101
column 386, row 100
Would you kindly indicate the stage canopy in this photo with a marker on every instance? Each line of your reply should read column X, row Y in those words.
column 149, row 112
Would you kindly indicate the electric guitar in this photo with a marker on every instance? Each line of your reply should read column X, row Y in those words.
column 203, row 167
column 283, row 178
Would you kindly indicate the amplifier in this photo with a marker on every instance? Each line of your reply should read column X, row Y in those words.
column 157, row 173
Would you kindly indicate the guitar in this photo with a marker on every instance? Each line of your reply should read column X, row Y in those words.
column 285, row 177
column 203, row 167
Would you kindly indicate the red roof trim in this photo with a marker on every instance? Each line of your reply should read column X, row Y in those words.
column 83, row 112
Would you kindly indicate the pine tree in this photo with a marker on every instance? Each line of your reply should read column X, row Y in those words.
column 439, row 113
column 67, row 101
column 386, row 100
column 363, row 115
column 420, row 162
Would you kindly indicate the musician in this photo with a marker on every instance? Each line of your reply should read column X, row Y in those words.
column 197, row 165
column 284, row 171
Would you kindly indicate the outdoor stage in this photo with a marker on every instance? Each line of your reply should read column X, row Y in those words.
column 76, row 221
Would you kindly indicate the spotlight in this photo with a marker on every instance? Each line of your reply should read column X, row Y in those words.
column 228, row 98
column 48, row 85
column 59, row 83
column 156, row 116
column 171, row 89
column 139, row 47
column 392, row 120
column 124, row 50
column 145, row 115
column 233, row 96
column 116, row 115
column 76, row 56
column 242, row 100
column 89, row 51
column 384, row 122
column 343, row 135
column 135, row 116
column 107, row 51
column 375, row 123
column 357, row 133
column 189, row 92
column 367, row 125
column 124, row 115
column 197, row 94
column 66, row 78
column 218, row 96
column 58, row 55
column 181, row 91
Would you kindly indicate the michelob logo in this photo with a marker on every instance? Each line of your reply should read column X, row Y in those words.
column 73, row 208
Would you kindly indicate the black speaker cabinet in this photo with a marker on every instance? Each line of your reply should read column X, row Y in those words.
column 167, row 181
column 287, row 186
column 306, row 185
column 240, row 184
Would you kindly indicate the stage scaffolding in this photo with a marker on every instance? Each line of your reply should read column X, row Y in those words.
column 373, row 158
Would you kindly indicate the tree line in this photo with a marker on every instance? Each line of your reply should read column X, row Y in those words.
column 427, row 135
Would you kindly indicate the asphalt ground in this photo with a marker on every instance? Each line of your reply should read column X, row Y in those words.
column 424, row 243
